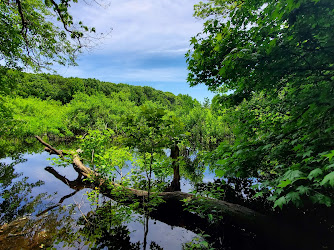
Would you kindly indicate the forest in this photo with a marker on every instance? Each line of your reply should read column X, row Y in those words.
column 267, row 137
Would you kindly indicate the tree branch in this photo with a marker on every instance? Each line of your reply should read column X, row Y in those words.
column 64, row 22
column 23, row 22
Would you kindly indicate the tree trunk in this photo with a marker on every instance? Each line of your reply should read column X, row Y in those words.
column 175, row 184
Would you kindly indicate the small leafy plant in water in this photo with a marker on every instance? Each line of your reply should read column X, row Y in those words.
column 198, row 242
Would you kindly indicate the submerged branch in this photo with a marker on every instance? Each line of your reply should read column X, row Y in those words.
column 58, row 204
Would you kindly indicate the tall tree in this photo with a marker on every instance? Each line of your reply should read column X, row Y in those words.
column 273, row 63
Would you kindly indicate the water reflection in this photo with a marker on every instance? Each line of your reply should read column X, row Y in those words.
column 105, row 228
column 15, row 190
column 47, row 206
column 20, row 227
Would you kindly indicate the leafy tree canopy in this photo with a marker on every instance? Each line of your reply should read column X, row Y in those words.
column 273, row 62
column 36, row 33
column 250, row 45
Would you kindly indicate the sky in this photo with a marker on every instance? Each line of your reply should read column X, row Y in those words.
column 146, row 46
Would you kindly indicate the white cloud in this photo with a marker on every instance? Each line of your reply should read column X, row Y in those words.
column 146, row 46
column 143, row 25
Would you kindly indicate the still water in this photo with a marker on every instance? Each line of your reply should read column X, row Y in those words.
column 53, row 209
column 43, row 206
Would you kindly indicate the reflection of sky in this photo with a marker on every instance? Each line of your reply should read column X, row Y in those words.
column 33, row 168
column 187, row 186
column 164, row 235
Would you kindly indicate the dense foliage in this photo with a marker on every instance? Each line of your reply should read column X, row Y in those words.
column 70, row 106
column 57, row 107
column 35, row 33
column 272, row 62
column 271, row 124
column 268, row 133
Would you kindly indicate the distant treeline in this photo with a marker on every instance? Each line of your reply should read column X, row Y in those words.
column 55, row 87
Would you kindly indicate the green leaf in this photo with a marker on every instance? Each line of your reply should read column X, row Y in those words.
column 284, row 183
column 210, row 217
column 222, row 71
column 308, row 153
column 290, row 4
column 329, row 167
column 220, row 172
column 328, row 178
column 321, row 199
column 221, row 162
column 293, row 175
column 219, row 37
column 204, row 244
column 299, row 146
column 193, row 40
column 304, row 190
column 314, row 173
column 294, row 197
column 329, row 155
column 259, row 194
column 280, row 202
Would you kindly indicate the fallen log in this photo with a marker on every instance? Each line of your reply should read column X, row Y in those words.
column 248, row 218
column 52, row 149
column 240, row 213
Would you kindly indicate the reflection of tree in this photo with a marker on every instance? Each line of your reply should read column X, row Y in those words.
column 104, row 228
column 7, row 174
column 155, row 246
column 10, row 147
column 193, row 165
column 36, row 232
column 18, row 228
column 54, row 225
column 15, row 193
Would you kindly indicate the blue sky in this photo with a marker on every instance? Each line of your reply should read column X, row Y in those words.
column 146, row 46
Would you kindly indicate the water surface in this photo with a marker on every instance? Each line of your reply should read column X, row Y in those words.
column 34, row 190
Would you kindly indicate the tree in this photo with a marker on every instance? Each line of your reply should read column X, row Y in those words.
column 273, row 63
column 150, row 131
column 30, row 40
column 249, row 46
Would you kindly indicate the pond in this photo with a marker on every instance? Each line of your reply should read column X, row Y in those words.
column 44, row 205
column 34, row 189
